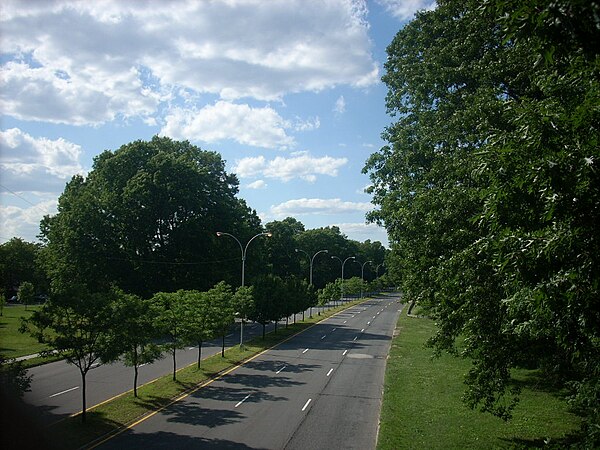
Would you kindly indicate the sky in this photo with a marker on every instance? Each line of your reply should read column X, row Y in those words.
column 289, row 92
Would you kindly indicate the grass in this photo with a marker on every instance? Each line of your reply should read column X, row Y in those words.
column 422, row 405
column 12, row 342
column 114, row 415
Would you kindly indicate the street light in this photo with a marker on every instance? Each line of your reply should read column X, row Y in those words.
column 310, row 276
column 343, row 264
column 362, row 276
column 244, row 252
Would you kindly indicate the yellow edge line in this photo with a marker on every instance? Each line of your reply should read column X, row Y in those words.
column 197, row 388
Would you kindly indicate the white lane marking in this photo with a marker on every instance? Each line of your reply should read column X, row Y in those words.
column 362, row 330
column 64, row 392
column 368, row 323
column 306, row 404
column 329, row 373
column 345, row 351
column 334, row 329
column 93, row 366
column 354, row 338
column 374, row 317
column 323, row 337
column 191, row 348
column 345, row 321
column 243, row 400
column 279, row 371
column 305, row 350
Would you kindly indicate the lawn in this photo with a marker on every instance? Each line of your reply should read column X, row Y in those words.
column 422, row 405
column 13, row 343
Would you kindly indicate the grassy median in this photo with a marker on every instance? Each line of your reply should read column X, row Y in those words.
column 120, row 412
column 422, row 407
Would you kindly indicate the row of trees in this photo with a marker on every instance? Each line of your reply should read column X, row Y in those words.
column 490, row 189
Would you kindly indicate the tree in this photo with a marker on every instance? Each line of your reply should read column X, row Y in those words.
column 202, row 320
column 267, row 292
column 172, row 321
column 330, row 293
column 2, row 303
column 19, row 262
column 135, row 332
column 145, row 218
column 489, row 188
column 25, row 293
column 243, row 303
column 78, row 325
column 281, row 246
column 220, row 299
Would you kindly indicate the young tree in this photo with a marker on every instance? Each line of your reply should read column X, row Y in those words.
column 25, row 293
column 265, row 290
column 243, row 303
column 79, row 326
column 220, row 299
column 201, row 318
column 331, row 292
column 135, row 332
column 172, row 321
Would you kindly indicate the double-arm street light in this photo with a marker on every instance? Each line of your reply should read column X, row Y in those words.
column 310, row 276
column 244, row 252
column 343, row 264
column 362, row 276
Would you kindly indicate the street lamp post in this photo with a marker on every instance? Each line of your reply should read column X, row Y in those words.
column 244, row 253
column 343, row 264
column 310, row 276
column 362, row 276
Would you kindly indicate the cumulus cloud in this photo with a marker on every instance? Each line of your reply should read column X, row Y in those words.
column 301, row 165
column 37, row 164
column 83, row 62
column 362, row 231
column 258, row 127
column 321, row 206
column 24, row 221
column 404, row 10
column 258, row 184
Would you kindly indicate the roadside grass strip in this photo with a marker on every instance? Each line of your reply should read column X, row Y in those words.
column 122, row 412
column 422, row 406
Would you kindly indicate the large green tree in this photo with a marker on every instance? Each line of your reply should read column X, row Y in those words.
column 145, row 218
column 19, row 263
column 489, row 187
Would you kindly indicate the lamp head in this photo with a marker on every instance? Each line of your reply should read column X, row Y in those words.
column 219, row 234
column 269, row 234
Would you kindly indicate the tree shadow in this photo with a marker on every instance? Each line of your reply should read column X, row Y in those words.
column 234, row 394
column 195, row 414
column 275, row 365
column 167, row 440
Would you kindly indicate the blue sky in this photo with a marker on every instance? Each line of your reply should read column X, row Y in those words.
column 289, row 93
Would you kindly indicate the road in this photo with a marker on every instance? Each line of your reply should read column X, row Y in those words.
column 56, row 387
column 320, row 389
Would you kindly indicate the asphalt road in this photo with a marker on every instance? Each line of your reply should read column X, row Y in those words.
column 55, row 391
column 321, row 389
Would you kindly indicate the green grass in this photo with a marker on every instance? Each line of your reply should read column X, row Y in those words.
column 13, row 343
column 114, row 415
column 422, row 405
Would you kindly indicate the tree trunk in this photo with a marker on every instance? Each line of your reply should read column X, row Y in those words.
column 83, row 400
column 264, row 327
column 223, row 347
column 174, row 365
column 135, row 378
column 199, row 353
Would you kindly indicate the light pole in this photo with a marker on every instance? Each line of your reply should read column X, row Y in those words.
column 343, row 264
column 362, row 276
column 312, row 260
column 244, row 252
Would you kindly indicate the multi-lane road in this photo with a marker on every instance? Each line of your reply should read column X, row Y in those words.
column 320, row 389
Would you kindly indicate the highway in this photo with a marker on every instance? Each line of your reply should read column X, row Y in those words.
column 320, row 389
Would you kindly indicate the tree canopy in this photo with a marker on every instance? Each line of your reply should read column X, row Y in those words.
column 489, row 187
column 144, row 218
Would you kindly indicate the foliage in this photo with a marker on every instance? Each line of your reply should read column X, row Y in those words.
column 78, row 325
column 332, row 292
column 220, row 298
column 200, row 319
column 25, row 293
column 135, row 332
column 489, row 187
column 13, row 377
column 145, row 219
column 19, row 263
column 268, row 293
column 2, row 303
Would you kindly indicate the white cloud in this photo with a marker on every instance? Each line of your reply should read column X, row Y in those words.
column 300, row 165
column 37, row 164
column 24, row 221
column 404, row 10
column 258, row 184
column 362, row 231
column 258, row 127
column 340, row 105
column 303, row 206
column 83, row 62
